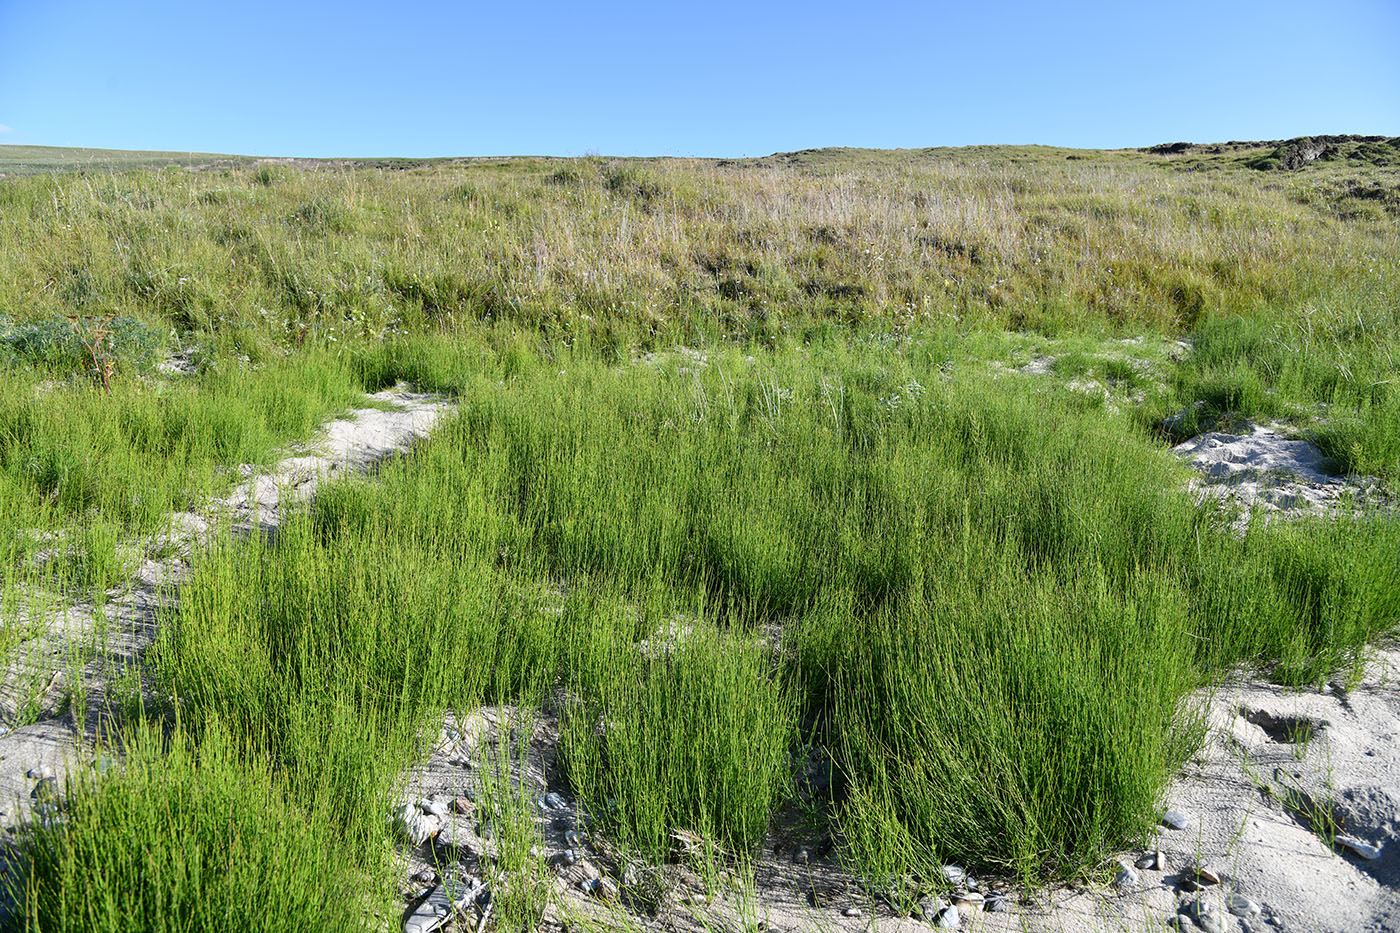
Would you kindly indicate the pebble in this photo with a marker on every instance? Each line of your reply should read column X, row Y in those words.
column 605, row 888
column 1152, row 861
column 1205, row 875
column 433, row 807
column 46, row 789
column 851, row 912
column 955, row 874
column 971, row 901
column 461, row 805
column 1206, row 916
column 573, row 839
column 426, row 876
column 1175, row 819
column 928, row 909
column 801, row 855
column 1363, row 849
column 415, row 827
column 455, row 840
column 567, row 858
column 38, row 774
column 948, row 918
column 997, row 903
column 439, row 906
column 553, row 801
column 1241, row 906
column 1127, row 878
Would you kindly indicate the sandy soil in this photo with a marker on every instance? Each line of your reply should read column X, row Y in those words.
column 1262, row 469
column 1280, row 779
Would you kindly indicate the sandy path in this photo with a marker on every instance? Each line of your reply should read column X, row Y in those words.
column 79, row 660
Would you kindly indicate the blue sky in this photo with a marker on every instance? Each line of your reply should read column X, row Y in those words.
column 412, row 78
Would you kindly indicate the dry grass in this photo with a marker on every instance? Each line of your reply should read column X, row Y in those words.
column 640, row 252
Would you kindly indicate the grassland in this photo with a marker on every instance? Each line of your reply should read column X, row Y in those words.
column 42, row 160
column 765, row 413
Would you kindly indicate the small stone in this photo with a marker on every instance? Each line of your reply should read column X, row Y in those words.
column 928, row 909
column 38, row 774
column 948, row 918
column 1175, row 819
column 1241, row 906
column 415, row 827
column 439, row 906
column 553, row 801
column 1151, row 861
column 433, row 808
column 567, row 858
column 1206, row 916
column 604, row 888
column 998, row 903
column 851, row 912
column 801, row 855
column 955, row 874
column 1127, row 878
column 454, row 840
column 47, row 790
column 1205, row 875
column 426, row 876
column 1363, row 849
column 970, row 902
column 461, row 806
column 573, row 839
column 1189, row 884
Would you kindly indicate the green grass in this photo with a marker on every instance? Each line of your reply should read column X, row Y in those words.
column 990, row 606
column 37, row 160
column 831, row 520
column 248, row 857
column 80, row 462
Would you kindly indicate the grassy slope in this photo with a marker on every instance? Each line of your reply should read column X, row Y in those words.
column 626, row 256
column 945, row 553
column 38, row 160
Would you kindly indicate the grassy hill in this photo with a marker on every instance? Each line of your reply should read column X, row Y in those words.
column 34, row 160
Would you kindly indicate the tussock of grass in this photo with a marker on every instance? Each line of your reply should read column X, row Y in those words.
column 683, row 727
column 192, row 838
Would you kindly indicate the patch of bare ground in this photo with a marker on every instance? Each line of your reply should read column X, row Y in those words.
column 1287, row 818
